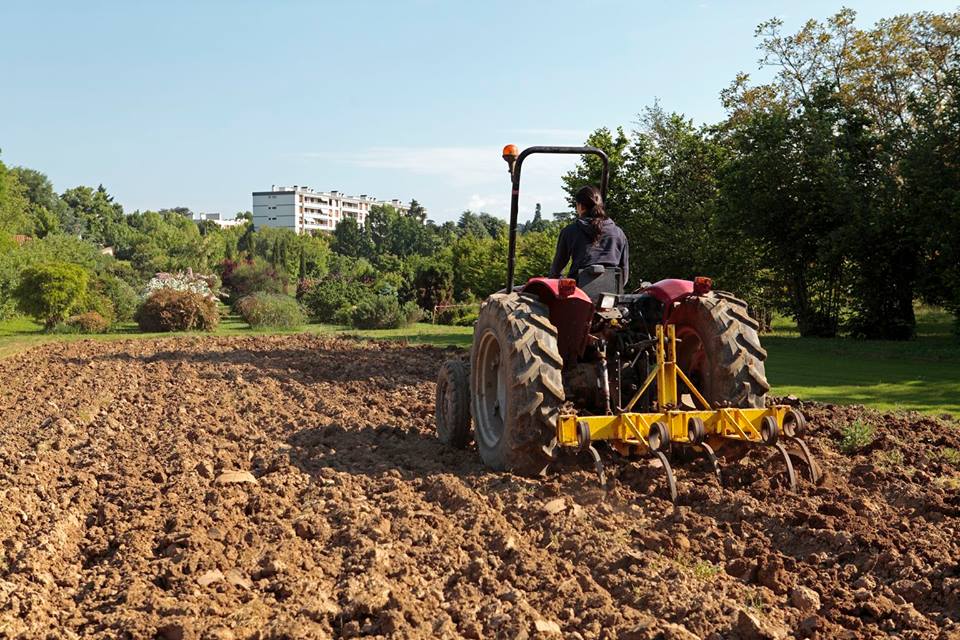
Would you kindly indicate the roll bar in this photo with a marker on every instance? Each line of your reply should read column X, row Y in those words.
column 515, row 163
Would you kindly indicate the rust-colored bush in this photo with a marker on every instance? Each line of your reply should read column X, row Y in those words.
column 170, row 310
column 89, row 322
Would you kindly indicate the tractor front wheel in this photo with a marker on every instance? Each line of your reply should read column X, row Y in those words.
column 516, row 385
column 452, row 407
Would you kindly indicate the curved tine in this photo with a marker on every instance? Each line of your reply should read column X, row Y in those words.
column 791, row 474
column 712, row 457
column 671, row 481
column 599, row 465
column 812, row 466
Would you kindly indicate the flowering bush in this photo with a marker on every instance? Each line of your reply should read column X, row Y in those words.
column 251, row 276
column 187, row 281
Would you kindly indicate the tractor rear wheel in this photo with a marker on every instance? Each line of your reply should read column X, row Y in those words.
column 719, row 350
column 515, row 382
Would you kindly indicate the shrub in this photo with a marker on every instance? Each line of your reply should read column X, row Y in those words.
column 51, row 291
column 272, row 310
column 462, row 315
column 378, row 312
column 121, row 295
column 172, row 310
column 467, row 319
column 87, row 322
column 95, row 302
column 332, row 294
column 244, row 278
column 856, row 436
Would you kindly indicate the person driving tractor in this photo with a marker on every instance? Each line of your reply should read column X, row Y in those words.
column 593, row 238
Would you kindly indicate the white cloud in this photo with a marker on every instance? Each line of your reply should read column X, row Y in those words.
column 479, row 202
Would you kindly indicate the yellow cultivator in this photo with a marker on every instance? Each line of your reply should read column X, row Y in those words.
column 705, row 429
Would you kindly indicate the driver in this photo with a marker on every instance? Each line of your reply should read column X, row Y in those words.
column 591, row 239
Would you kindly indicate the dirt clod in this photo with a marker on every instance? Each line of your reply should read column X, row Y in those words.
column 805, row 599
column 208, row 578
column 236, row 477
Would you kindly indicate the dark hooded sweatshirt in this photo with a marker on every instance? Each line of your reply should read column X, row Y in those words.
column 576, row 243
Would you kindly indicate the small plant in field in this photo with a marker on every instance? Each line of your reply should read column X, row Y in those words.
column 706, row 570
column 754, row 602
column 951, row 456
column 890, row 460
column 951, row 483
column 856, row 436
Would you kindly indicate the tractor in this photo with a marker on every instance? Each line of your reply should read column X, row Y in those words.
column 673, row 369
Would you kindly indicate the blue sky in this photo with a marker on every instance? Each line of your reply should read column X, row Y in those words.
column 199, row 103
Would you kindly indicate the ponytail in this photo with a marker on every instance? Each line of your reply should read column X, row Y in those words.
column 589, row 198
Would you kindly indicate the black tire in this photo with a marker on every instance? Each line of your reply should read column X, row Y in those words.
column 720, row 350
column 452, row 406
column 515, row 383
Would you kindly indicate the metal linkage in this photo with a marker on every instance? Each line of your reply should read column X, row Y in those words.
column 702, row 429
column 584, row 444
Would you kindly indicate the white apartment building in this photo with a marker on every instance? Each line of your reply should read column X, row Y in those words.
column 223, row 223
column 304, row 210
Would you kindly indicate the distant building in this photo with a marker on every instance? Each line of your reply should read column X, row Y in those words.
column 218, row 219
column 304, row 210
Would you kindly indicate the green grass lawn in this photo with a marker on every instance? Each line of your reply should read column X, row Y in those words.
column 922, row 374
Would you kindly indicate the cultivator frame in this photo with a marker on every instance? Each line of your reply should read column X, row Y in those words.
column 706, row 429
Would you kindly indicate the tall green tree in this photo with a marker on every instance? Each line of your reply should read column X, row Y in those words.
column 931, row 171
column 14, row 206
column 350, row 239
column 98, row 217
column 799, row 186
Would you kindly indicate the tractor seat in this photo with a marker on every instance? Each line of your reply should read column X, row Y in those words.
column 598, row 279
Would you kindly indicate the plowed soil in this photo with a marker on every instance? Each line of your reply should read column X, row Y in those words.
column 292, row 487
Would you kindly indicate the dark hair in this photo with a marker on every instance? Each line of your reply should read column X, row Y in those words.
column 589, row 198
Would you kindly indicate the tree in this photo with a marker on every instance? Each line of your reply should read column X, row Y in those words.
column 876, row 70
column 14, row 218
column 671, row 182
column 97, row 216
column 417, row 212
column 350, row 240
column 589, row 169
column 479, row 265
column 50, row 292
column 931, row 171
column 481, row 225
column 46, row 210
column 801, row 187
column 432, row 284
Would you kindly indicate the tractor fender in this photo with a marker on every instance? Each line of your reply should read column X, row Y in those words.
column 669, row 291
column 571, row 315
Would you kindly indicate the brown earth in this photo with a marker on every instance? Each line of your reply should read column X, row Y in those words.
column 291, row 487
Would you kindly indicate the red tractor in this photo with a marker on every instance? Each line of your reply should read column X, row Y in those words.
column 671, row 368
